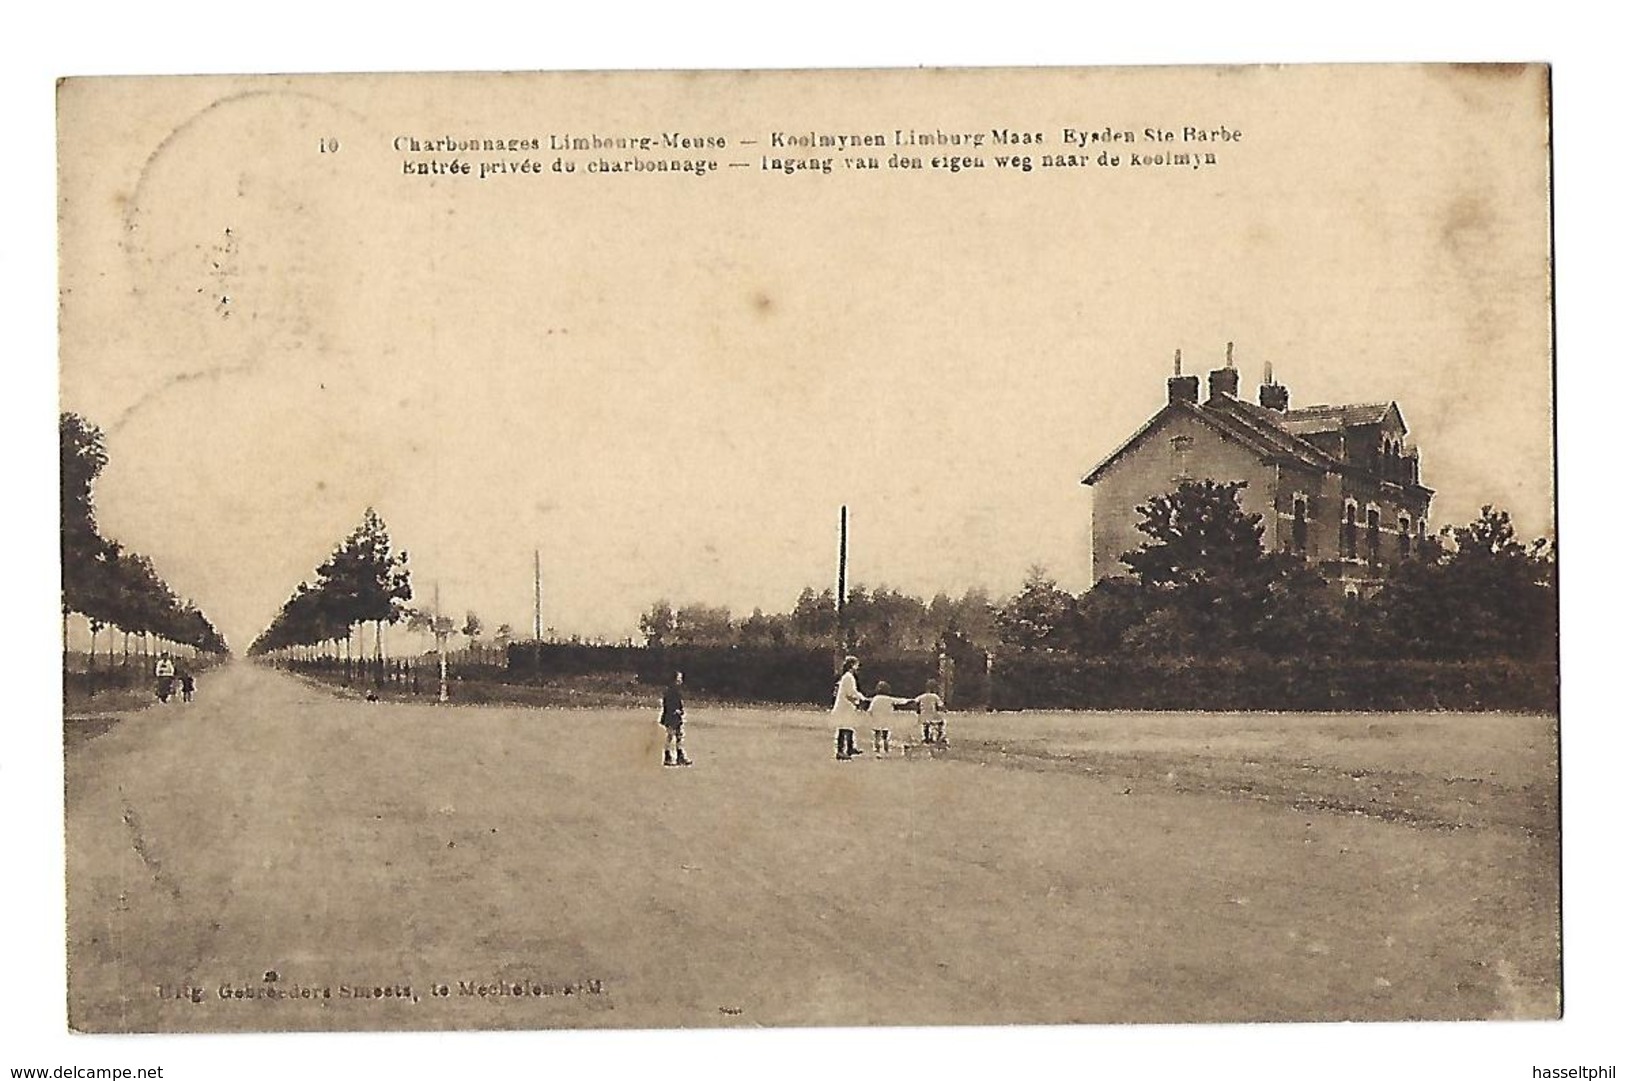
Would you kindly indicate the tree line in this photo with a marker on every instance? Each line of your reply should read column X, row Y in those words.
column 472, row 629
column 363, row 581
column 875, row 620
column 1202, row 584
column 114, row 588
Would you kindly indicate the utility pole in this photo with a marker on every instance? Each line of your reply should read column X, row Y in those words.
column 442, row 630
column 840, row 590
column 538, row 596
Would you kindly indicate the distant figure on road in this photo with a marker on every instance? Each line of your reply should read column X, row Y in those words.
column 843, row 715
column 164, row 670
column 931, row 709
column 188, row 684
column 881, row 708
column 671, row 717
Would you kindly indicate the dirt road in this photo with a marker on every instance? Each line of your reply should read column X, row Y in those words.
column 293, row 860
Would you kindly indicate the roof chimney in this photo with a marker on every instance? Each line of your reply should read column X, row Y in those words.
column 1182, row 388
column 1272, row 395
column 1224, row 381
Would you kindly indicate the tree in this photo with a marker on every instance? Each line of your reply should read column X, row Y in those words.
column 1209, row 587
column 756, row 629
column 858, row 629
column 83, row 456
column 1198, row 534
column 1476, row 591
column 1297, row 613
column 1107, row 613
column 364, row 581
column 658, row 624
column 812, row 620
column 898, row 621
column 420, row 623
column 972, row 618
column 110, row 586
column 703, row 625
column 1040, row 616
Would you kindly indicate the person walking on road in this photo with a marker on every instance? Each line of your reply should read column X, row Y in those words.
column 671, row 718
column 164, row 671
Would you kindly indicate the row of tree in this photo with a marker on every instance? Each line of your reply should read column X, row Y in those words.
column 472, row 629
column 879, row 620
column 112, row 587
column 363, row 581
column 1201, row 584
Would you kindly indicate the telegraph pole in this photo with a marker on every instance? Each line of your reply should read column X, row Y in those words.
column 538, row 596
column 442, row 631
column 840, row 589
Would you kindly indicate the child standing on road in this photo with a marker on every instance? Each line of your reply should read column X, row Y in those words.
column 188, row 684
column 881, row 708
column 931, row 711
column 671, row 718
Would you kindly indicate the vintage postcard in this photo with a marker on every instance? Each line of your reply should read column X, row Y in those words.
column 860, row 548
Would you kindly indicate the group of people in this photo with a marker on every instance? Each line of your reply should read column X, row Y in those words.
column 169, row 679
column 881, row 706
column 850, row 703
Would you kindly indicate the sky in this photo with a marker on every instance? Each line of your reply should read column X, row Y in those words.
column 668, row 386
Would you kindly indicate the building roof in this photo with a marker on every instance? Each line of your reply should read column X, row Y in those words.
column 1252, row 426
column 1328, row 418
column 1268, row 422
column 1274, row 436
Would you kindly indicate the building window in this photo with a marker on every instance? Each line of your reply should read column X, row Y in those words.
column 1179, row 453
column 1404, row 538
column 1300, row 525
column 1348, row 541
column 1373, row 534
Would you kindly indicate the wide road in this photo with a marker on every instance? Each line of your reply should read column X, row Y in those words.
column 273, row 840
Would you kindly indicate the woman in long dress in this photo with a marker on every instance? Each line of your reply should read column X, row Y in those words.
column 844, row 713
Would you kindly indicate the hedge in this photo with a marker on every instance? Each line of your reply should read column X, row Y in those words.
column 788, row 674
column 1052, row 681
column 1035, row 680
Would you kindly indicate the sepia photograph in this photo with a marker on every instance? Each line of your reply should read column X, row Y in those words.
column 810, row 548
column 691, row 543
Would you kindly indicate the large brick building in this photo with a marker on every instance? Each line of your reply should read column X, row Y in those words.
column 1338, row 484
